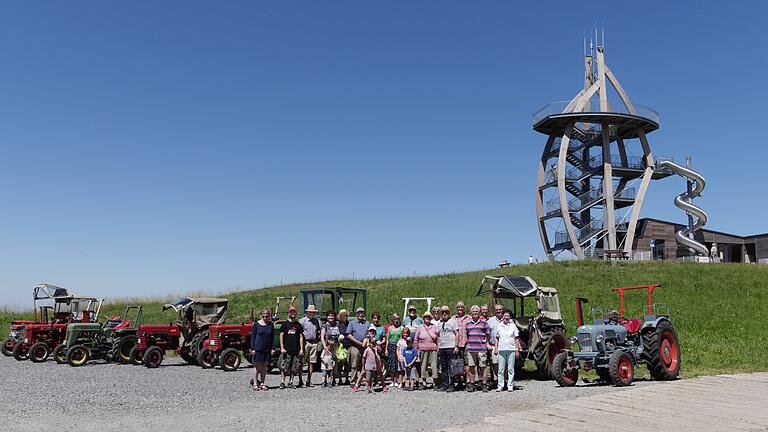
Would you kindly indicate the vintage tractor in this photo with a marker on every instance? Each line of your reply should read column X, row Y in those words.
column 614, row 345
column 111, row 341
column 38, row 340
column 542, row 333
column 227, row 343
column 187, row 336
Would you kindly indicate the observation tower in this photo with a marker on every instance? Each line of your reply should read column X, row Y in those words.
column 596, row 165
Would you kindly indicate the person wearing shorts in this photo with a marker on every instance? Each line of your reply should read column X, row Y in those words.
column 477, row 350
column 311, row 327
column 291, row 348
column 410, row 356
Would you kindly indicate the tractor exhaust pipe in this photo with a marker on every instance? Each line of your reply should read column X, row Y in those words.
column 579, row 312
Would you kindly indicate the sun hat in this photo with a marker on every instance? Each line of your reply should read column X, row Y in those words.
column 427, row 314
column 311, row 308
column 445, row 309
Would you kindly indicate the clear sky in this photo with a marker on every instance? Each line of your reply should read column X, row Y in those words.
column 176, row 146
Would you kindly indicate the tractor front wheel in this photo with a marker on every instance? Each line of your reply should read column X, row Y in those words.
column 19, row 352
column 60, row 354
column 153, row 356
column 121, row 348
column 661, row 350
column 552, row 342
column 621, row 369
column 6, row 351
column 135, row 357
column 77, row 355
column 229, row 360
column 207, row 359
column 563, row 376
column 39, row 352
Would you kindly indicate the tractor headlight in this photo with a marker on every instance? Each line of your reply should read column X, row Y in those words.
column 26, row 340
column 574, row 339
column 599, row 339
column 212, row 342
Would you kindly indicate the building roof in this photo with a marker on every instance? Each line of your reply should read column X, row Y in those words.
column 642, row 228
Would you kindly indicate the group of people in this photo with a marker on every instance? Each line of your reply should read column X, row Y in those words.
column 437, row 350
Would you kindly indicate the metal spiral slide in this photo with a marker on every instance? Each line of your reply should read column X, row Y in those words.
column 684, row 202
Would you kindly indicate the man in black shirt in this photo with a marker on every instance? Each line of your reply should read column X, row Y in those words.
column 291, row 348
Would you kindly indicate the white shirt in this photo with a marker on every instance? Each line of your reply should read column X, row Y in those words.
column 506, row 333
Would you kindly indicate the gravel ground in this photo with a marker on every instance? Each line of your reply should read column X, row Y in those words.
column 110, row 397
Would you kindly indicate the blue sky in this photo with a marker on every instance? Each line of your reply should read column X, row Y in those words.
column 156, row 147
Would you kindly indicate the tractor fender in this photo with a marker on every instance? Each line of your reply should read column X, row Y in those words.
column 652, row 324
column 633, row 354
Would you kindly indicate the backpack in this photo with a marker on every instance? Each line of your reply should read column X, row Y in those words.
column 340, row 354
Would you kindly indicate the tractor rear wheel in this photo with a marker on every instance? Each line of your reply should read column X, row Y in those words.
column 621, row 369
column 661, row 351
column 187, row 357
column 197, row 343
column 552, row 342
column 135, row 357
column 39, row 352
column 19, row 352
column 207, row 359
column 121, row 348
column 229, row 360
column 565, row 378
column 78, row 355
column 60, row 354
column 153, row 356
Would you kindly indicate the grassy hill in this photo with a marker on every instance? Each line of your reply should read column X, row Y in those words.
column 718, row 309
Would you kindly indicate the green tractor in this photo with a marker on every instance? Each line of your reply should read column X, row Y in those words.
column 111, row 341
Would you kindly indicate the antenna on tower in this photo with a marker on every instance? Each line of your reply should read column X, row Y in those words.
column 603, row 30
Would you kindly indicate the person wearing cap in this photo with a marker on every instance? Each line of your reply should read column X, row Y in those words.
column 425, row 341
column 291, row 348
column 447, row 348
column 312, row 329
column 357, row 334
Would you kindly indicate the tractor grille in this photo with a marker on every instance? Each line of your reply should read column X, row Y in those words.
column 610, row 334
column 585, row 340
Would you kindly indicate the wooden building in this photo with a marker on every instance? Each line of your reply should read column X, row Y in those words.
column 656, row 238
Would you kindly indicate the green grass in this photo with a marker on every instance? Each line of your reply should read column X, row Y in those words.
column 718, row 309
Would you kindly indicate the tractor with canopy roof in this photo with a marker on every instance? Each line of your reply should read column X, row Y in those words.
column 187, row 336
column 44, row 336
column 536, row 313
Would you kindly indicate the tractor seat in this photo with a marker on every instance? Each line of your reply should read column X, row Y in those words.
column 632, row 324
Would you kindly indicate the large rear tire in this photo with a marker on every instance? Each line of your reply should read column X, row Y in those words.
column 153, row 357
column 207, row 359
column 121, row 348
column 552, row 342
column 196, row 344
column 229, row 360
column 661, row 352
column 60, row 354
column 565, row 378
column 78, row 355
column 39, row 352
column 19, row 352
column 187, row 357
column 621, row 369
column 136, row 357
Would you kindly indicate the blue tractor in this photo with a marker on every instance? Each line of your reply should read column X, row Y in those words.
column 614, row 346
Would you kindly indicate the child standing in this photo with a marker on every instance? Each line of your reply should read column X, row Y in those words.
column 410, row 355
column 371, row 363
column 401, row 345
column 328, row 364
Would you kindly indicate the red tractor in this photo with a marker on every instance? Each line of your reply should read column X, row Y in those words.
column 45, row 336
column 186, row 336
column 226, row 343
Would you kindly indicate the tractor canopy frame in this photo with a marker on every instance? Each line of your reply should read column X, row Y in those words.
column 337, row 298
column 520, row 287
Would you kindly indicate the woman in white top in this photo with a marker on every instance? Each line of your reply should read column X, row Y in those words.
column 508, row 349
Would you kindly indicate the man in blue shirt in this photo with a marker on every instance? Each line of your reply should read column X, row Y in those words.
column 357, row 330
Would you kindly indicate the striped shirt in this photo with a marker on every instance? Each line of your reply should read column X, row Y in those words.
column 477, row 335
